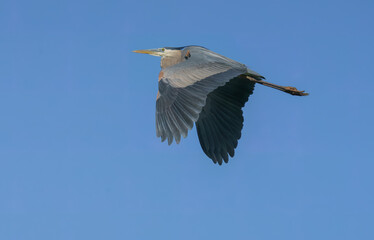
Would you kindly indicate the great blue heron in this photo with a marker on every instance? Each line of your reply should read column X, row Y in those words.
column 199, row 86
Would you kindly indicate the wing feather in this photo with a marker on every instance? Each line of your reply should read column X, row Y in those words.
column 177, row 105
column 223, row 114
column 206, row 89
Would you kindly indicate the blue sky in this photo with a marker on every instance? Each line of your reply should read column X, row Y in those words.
column 79, row 158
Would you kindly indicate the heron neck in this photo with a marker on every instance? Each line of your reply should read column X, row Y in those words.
column 167, row 61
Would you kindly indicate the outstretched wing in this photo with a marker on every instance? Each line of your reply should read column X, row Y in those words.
column 205, row 88
column 221, row 120
column 177, row 108
column 184, row 87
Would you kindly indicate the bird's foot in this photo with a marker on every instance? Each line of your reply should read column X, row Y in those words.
column 294, row 91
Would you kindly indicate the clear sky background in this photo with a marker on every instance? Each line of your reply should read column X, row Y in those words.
column 79, row 157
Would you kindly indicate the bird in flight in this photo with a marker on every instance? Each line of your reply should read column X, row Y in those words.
column 199, row 86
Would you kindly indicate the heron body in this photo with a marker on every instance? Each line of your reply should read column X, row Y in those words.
column 201, row 87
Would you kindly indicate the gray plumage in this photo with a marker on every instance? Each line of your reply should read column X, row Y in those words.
column 199, row 86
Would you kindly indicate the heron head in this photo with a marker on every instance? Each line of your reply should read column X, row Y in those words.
column 160, row 52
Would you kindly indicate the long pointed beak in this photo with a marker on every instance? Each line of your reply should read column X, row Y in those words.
column 146, row 51
column 154, row 52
